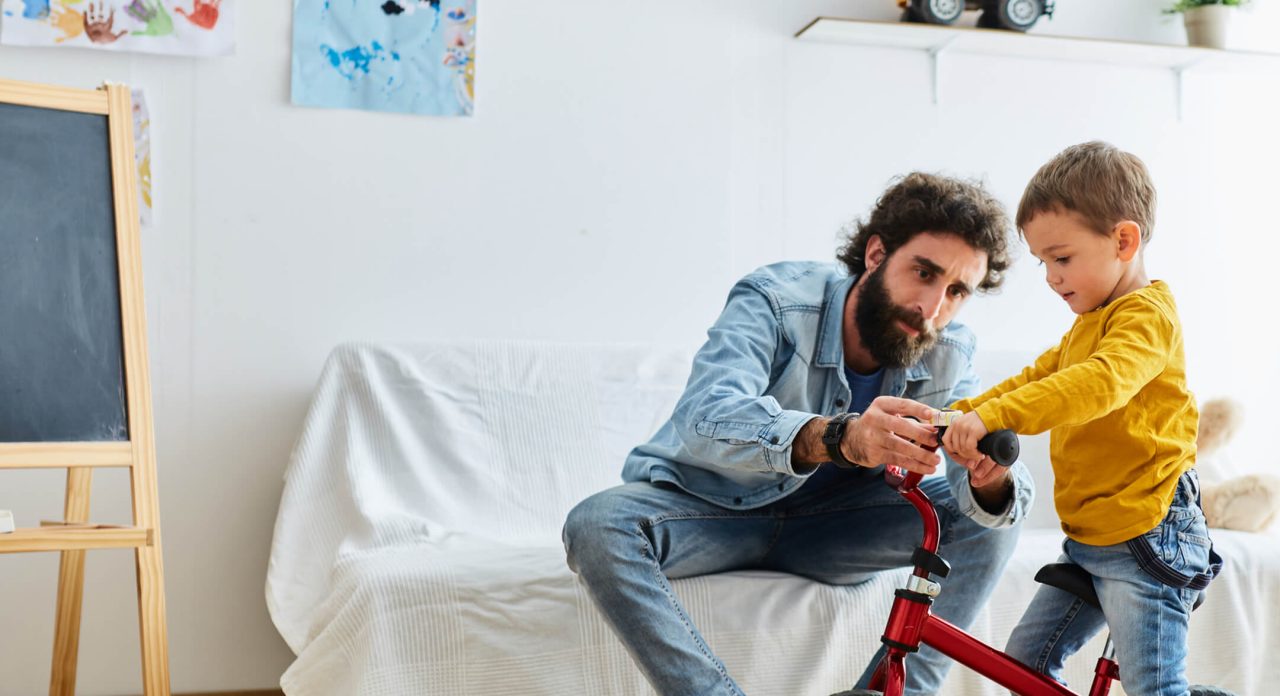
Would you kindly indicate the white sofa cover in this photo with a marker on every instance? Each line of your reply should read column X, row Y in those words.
column 417, row 548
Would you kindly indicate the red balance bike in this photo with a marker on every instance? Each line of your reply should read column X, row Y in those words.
column 911, row 624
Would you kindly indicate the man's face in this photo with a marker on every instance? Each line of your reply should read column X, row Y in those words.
column 907, row 298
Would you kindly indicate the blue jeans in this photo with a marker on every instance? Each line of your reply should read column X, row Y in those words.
column 1147, row 615
column 627, row 543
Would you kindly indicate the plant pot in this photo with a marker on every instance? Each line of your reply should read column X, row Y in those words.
column 1207, row 25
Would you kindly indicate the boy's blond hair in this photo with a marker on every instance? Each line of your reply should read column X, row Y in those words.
column 1098, row 181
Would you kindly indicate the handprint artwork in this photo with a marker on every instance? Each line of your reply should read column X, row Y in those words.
column 179, row 27
column 97, row 25
column 69, row 22
column 152, row 14
column 203, row 15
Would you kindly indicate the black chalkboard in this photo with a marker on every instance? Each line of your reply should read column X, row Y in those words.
column 61, row 362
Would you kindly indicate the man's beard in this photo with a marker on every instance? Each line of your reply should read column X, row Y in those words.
column 877, row 319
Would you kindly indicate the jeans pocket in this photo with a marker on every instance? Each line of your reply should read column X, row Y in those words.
column 1177, row 550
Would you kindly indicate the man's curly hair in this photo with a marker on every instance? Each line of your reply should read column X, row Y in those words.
column 920, row 202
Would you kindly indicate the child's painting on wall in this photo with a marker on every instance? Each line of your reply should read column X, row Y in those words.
column 177, row 27
column 408, row 56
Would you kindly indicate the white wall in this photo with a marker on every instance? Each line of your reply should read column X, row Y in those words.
column 626, row 163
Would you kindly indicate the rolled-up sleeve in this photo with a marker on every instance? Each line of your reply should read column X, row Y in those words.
column 724, row 417
column 1019, row 505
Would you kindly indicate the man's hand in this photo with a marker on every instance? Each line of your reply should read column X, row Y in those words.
column 885, row 435
column 993, row 489
column 986, row 474
column 961, row 440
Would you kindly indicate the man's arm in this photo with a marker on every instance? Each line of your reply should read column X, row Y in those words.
column 994, row 497
column 725, row 418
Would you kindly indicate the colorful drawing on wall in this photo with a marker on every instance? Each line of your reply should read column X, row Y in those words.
column 142, row 153
column 409, row 56
column 177, row 27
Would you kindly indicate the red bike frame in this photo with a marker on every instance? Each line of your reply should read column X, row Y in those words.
column 911, row 625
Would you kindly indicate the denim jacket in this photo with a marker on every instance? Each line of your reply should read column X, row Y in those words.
column 773, row 361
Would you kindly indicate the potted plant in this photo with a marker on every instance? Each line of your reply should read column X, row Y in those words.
column 1206, row 20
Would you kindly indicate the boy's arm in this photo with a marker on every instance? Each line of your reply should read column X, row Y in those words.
column 1134, row 349
column 1041, row 368
column 1011, row 504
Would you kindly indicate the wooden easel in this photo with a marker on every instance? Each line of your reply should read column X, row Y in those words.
column 74, row 535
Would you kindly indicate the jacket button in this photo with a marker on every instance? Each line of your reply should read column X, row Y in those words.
column 737, row 501
column 839, row 403
column 773, row 440
column 782, row 487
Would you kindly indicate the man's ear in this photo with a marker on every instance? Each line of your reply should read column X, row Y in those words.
column 874, row 255
column 1128, row 240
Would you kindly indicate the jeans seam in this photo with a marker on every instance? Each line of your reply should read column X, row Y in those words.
column 777, row 534
column 679, row 516
column 646, row 550
column 1042, row 660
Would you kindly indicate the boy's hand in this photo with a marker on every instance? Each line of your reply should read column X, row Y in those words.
column 961, row 439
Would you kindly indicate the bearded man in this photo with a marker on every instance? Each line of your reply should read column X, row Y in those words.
column 814, row 377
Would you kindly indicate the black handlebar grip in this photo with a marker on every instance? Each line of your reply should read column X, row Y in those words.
column 1001, row 446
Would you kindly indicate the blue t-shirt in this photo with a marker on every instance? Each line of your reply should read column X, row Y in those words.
column 864, row 388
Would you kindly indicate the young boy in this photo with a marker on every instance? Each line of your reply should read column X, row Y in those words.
column 1114, row 395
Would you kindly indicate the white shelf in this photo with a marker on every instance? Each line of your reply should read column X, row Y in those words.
column 937, row 40
column 932, row 37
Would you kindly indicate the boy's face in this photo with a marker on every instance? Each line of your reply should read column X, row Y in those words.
column 1085, row 268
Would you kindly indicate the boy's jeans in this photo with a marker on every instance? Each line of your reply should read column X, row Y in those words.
column 1147, row 617
column 627, row 542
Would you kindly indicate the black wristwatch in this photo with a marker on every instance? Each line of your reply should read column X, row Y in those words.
column 833, row 434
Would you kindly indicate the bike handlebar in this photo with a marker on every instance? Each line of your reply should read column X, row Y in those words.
column 1001, row 445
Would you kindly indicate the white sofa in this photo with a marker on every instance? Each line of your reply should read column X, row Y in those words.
column 417, row 549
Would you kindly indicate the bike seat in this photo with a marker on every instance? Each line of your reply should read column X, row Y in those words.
column 1072, row 579
column 1077, row 581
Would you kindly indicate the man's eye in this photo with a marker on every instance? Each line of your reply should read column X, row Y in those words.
column 958, row 292
column 1063, row 260
column 924, row 274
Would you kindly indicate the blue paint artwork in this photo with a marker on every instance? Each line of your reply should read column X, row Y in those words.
column 408, row 56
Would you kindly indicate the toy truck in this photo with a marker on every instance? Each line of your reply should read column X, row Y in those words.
column 1015, row 15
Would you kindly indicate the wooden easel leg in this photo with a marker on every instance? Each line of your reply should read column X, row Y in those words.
column 151, row 612
column 66, row 635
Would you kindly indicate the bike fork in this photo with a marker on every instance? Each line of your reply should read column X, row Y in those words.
column 1106, row 671
column 890, row 677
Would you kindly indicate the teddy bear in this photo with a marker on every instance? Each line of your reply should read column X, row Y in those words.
column 1248, row 502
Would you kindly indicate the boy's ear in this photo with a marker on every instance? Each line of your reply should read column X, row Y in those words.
column 874, row 254
column 1128, row 240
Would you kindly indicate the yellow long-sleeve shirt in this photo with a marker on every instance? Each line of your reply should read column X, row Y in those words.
column 1114, row 394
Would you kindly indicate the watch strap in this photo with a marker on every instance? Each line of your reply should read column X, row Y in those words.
column 833, row 434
